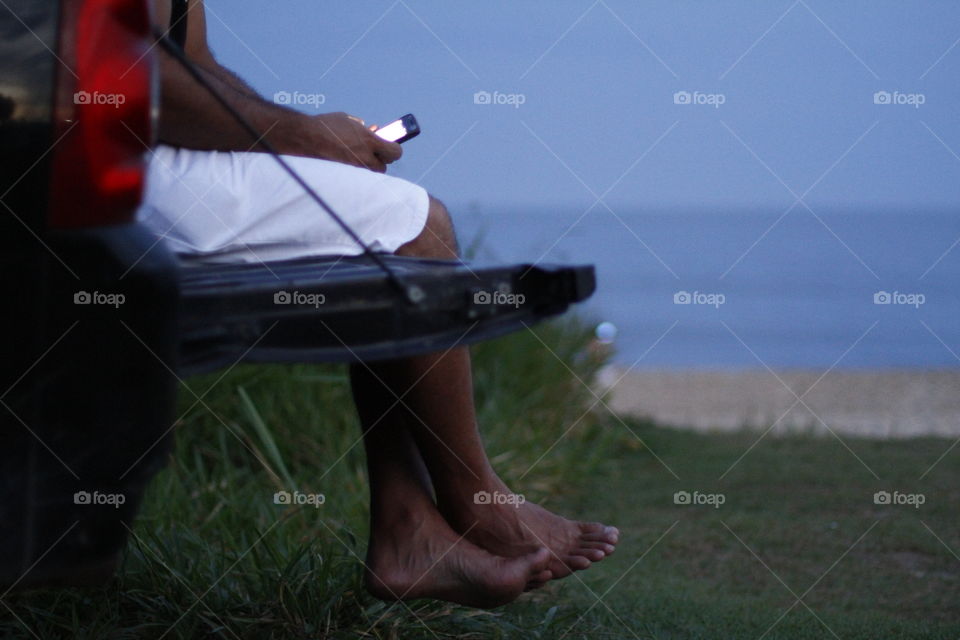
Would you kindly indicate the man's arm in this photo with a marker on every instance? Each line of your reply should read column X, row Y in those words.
column 190, row 117
column 198, row 50
column 235, row 81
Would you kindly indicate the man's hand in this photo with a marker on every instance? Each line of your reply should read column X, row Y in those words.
column 191, row 118
column 345, row 138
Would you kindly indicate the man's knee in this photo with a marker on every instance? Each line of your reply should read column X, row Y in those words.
column 437, row 240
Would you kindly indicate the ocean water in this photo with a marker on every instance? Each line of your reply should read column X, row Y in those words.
column 798, row 291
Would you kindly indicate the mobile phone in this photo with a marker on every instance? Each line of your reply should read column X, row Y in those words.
column 400, row 130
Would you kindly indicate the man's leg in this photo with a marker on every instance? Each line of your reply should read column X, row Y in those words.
column 437, row 392
column 413, row 552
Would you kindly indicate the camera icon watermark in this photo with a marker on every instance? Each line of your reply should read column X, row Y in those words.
column 96, row 498
column 886, row 498
column 714, row 300
column 915, row 100
column 914, row 300
column 299, row 99
column 297, row 298
column 698, row 98
column 115, row 300
column 115, row 100
column 515, row 100
column 699, row 499
column 498, row 498
column 296, row 498
column 515, row 300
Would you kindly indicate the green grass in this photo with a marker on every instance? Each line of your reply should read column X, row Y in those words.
column 798, row 510
column 213, row 556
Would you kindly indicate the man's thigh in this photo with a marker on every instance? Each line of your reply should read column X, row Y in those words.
column 245, row 207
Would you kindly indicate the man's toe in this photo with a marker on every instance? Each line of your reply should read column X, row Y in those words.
column 594, row 555
column 578, row 562
column 602, row 546
column 596, row 532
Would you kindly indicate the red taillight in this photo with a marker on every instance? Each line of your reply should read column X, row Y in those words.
column 104, row 112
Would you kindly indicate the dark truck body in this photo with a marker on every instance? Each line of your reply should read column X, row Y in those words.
column 88, row 384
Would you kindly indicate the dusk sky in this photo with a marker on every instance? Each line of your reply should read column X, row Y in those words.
column 787, row 94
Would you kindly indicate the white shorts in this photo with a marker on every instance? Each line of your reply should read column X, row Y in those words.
column 243, row 207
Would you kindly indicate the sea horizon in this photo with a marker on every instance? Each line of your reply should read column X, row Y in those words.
column 749, row 288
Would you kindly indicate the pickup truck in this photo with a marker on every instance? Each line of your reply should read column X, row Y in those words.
column 102, row 320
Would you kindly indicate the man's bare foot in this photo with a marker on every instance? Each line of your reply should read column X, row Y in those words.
column 508, row 527
column 418, row 555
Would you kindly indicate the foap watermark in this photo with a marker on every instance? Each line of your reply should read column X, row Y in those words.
column 114, row 100
column 515, row 100
column 901, row 499
column 486, row 497
column 296, row 498
column 696, row 97
column 698, row 297
column 299, row 99
column 502, row 298
column 299, row 299
column 699, row 499
column 914, row 100
column 114, row 300
column 96, row 498
column 909, row 299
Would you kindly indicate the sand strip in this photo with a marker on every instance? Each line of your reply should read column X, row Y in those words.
column 888, row 404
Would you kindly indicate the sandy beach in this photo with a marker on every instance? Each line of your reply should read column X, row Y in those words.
column 887, row 404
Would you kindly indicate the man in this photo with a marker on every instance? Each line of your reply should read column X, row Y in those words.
column 214, row 198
